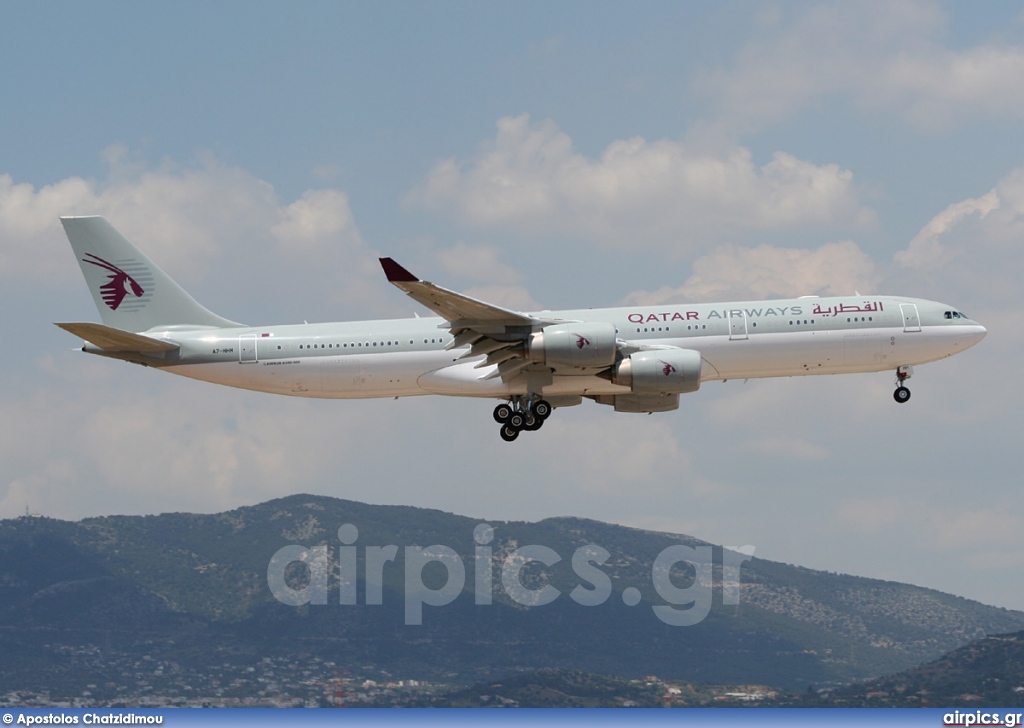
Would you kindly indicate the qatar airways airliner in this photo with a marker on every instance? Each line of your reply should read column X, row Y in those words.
column 635, row 358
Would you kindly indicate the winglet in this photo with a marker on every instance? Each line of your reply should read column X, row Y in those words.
column 396, row 273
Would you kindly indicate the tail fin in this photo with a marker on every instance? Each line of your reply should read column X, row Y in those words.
column 130, row 291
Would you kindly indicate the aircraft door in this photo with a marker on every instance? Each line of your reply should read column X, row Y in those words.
column 737, row 325
column 247, row 348
column 911, row 319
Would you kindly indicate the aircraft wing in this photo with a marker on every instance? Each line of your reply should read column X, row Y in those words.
column 454, row 307
column 499, row 333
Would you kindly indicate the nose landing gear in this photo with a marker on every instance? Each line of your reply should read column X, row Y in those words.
column 903, row 373
column 521, row 413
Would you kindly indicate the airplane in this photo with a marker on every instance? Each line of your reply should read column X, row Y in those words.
column 633, row 358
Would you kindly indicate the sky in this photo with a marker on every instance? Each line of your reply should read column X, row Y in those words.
column 538, row 156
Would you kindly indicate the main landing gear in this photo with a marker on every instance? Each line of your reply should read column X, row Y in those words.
column 903, row 373
column 521, row 413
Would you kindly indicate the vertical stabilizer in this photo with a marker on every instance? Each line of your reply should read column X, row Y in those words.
column 131, row 292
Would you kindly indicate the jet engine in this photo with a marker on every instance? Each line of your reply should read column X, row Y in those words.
column 659, row 371
column 578, row 346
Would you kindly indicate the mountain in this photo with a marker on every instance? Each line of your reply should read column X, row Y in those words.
column 555, row 688
column 102, row 597
column 985, row 672
column 989, row 671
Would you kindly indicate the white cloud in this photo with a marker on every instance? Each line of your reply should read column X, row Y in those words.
column 516, row 298
column 870, row 515
column 637, row 456
column 787, row 447
column 967, row 254
column 935, row 526
column 733, row 272
column 187, row 219
column 972, row 249
column 659, row 194
column 926, row 250
column 499, row 281
column 478, row 263
column 882, row 55
column 943, row 87
column 182, row 215
column 318, row 216
column 137, row 440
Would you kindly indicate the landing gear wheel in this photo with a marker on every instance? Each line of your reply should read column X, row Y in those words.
column 901, row 395
column 502, row 413
column 509, row 433
column 532, row 422
column 521, row 412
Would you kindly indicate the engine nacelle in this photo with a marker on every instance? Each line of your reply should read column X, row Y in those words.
column 582, row 345
column 645, row 403
column 659, row 371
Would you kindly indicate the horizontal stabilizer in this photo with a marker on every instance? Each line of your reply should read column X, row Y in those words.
column 116, row 340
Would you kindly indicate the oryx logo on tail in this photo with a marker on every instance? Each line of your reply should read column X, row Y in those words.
column 119, row 285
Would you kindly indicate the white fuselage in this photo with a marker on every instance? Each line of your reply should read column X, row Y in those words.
column 405, row 357
column 635, row 359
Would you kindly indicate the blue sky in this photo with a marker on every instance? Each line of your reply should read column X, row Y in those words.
column 536, row 155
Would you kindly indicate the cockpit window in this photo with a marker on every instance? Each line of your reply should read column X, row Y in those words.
column 954, row 315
